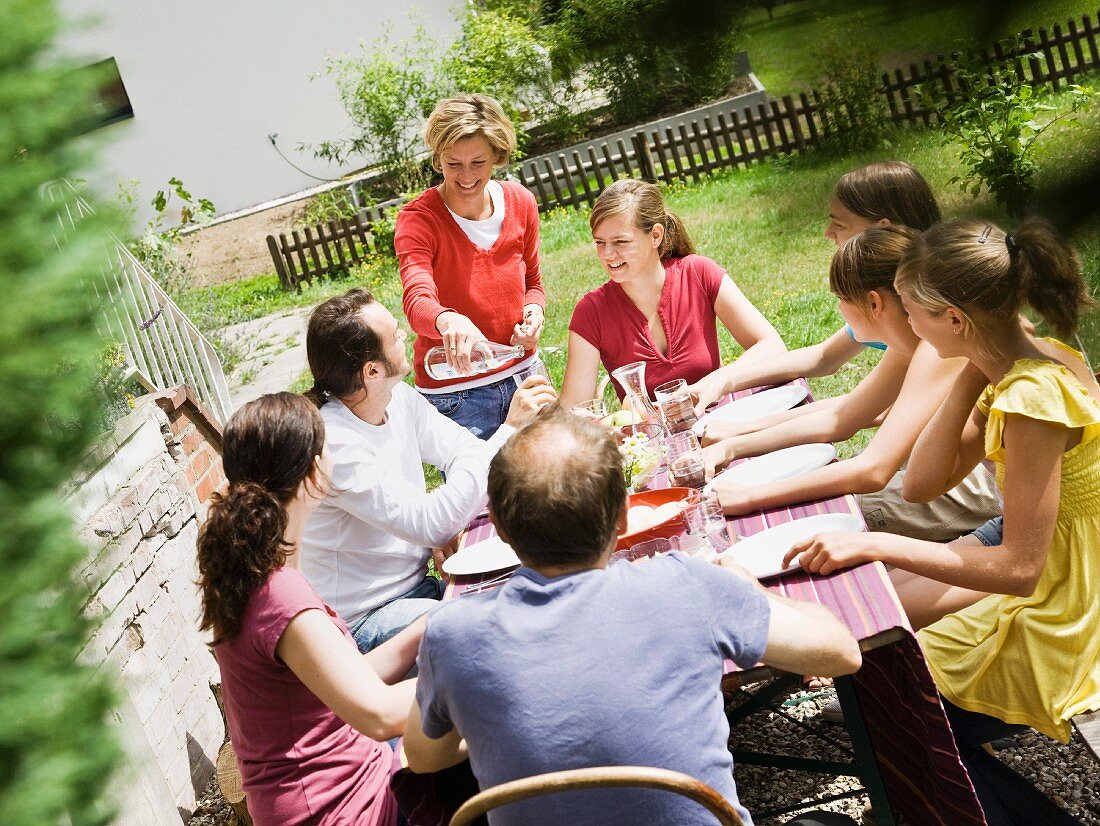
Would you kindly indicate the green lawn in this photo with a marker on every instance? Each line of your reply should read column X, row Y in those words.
column 763, row 224
column 786, row 53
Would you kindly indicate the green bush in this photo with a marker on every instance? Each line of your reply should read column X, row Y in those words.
column 997, row 118
column 383, row 231
column 330, row 205
column 387, row 90
column 851, row 98
column 645, row 54
column 56, row 750
column 499, row 54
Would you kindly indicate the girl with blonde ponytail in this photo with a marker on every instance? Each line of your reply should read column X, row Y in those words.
column 307, row 713
column 1028, row 654
column 661, row 302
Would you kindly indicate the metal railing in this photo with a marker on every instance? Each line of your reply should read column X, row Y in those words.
column 162, row 347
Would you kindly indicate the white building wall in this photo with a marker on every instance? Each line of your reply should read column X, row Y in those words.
column 209, row 80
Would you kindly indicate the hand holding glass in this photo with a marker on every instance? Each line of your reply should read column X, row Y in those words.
column 536, row 368
column 674, row 404
column 685, row 461
column 592, row 409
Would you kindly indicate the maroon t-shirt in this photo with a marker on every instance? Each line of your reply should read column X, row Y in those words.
column 299, row 762
column 608, row 320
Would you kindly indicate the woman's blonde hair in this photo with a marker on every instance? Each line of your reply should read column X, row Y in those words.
column 467, row 116
column 989, row 276
column 868, row 261
column 644, row 202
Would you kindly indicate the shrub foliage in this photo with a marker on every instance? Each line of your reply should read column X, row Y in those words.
column 996, row 117
column 646, row 54
column 55, row 748
column 851, row 97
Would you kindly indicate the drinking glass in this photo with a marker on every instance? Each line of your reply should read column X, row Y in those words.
column 692, row 545
column 685, row 461
column 707, row 520
column 592, row 409
column 674, row 403
column 537, row 368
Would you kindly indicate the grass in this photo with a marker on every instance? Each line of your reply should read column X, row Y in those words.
column 763, row 224
column 263, row 295
column 787, row 53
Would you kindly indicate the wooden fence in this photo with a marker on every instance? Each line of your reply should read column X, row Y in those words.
column 325, row 247
column 736, row 132
column 674, row 152
column 698, row 146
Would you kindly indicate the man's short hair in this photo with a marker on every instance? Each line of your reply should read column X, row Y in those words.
column 556, row 489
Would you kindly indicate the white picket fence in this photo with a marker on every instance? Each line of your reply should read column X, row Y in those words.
column 162, row 347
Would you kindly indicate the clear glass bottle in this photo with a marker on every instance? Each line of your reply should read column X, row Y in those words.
column 631, row 377
column 485, row 357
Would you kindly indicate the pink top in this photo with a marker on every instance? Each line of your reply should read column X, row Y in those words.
column 299, row 762
column 442, row 269
column 608, row 320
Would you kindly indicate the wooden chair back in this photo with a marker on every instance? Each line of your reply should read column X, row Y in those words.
column 598, row 777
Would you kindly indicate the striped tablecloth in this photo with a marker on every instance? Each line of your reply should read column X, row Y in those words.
column 905, row 721
column 924, row 778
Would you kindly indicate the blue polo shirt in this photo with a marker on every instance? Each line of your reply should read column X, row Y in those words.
column 618, row 666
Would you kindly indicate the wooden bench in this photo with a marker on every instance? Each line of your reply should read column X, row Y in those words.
column 324, row 248
column 1088, row 726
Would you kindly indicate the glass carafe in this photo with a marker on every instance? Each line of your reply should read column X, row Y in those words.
column 631, row 377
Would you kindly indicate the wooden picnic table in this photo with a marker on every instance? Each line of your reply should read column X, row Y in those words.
column 902, row 745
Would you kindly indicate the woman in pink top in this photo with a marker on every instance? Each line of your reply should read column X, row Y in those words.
column 306, row 710
column 468, row 251
column 661, row 302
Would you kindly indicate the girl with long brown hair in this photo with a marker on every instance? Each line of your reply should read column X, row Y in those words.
column 1029, row 653
column 880, row 194
column 307, row 713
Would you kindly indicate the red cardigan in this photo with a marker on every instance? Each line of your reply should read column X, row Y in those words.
column 442, row 269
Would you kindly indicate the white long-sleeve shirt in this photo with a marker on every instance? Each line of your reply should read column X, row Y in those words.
column 370, row 540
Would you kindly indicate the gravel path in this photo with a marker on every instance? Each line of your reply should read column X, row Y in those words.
column 1069, row 774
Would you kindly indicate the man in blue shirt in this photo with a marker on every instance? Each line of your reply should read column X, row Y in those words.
column 574, row 664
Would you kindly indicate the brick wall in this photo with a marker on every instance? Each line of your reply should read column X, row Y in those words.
column 139, row 502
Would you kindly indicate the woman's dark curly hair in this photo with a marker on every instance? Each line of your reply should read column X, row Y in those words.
column 268, row 449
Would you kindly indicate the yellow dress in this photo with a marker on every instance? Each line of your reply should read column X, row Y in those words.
column 1035, row 660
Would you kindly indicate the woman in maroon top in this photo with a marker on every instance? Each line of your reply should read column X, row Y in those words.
column 661, row 302
column 307, row 712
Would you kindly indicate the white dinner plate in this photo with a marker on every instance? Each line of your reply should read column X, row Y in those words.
column 762, row 553
column 782, row 464
column 490, row 554
column 747, row 408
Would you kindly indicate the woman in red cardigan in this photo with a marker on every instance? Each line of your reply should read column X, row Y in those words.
column 468, row 251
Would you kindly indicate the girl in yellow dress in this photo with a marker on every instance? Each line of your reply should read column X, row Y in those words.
column 1028, row 654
